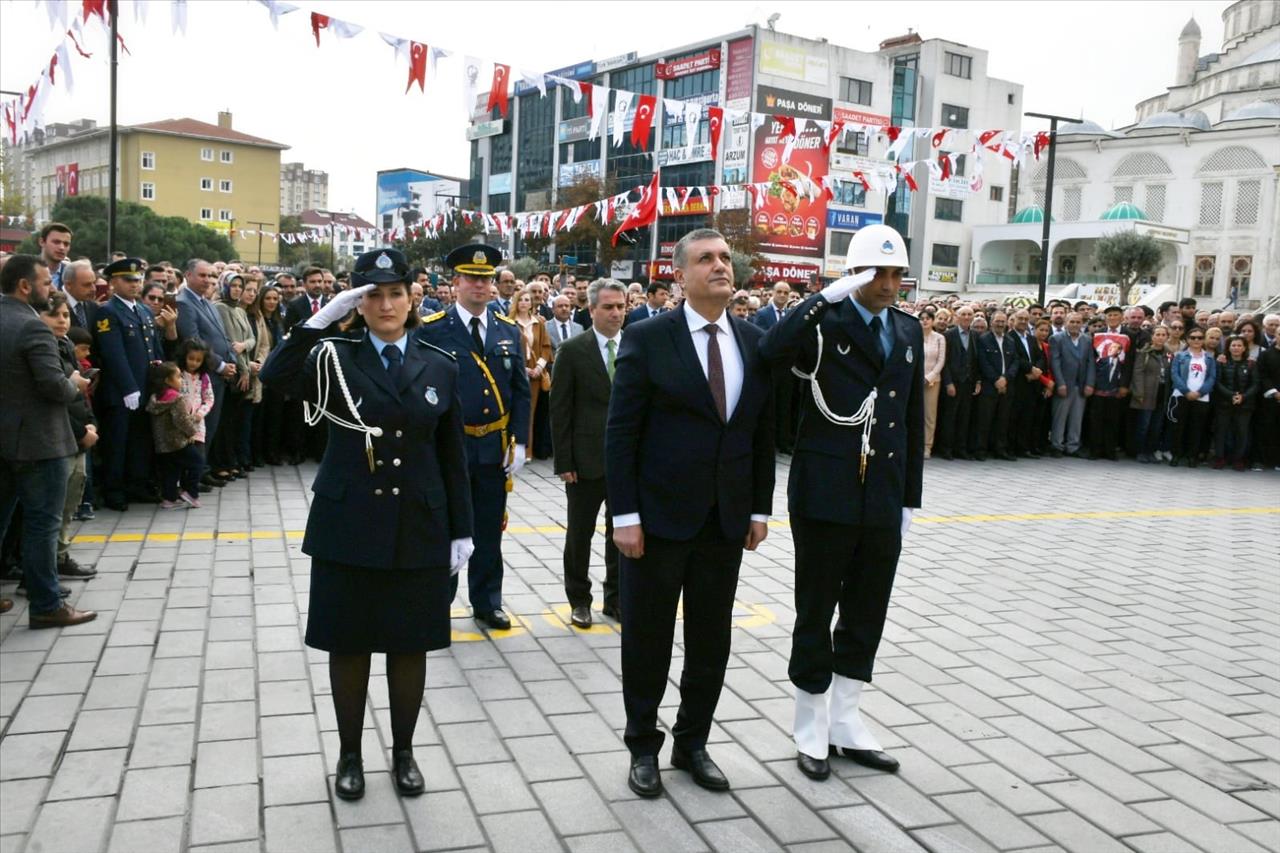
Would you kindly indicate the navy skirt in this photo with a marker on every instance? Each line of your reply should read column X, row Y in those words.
column 356, row 610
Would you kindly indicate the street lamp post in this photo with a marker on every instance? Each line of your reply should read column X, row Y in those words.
column 113, row 7
column 260, row 225
column 1048, row 196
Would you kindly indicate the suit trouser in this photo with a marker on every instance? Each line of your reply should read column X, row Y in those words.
column 488, row 508
column 126, row 440
column 1269, row 434
column 993, row 422
column 705, row 570
column 1022, row 420
column 1068, row 415
column 850, row 565
column 212, row 419
column 585, row 498
column 1106, row 424
column 955, row 420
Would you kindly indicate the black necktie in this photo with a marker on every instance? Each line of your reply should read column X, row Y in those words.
column 564, row 331
column 394, row 358
column 475, row 335
column 876, row 326
column 84, row 322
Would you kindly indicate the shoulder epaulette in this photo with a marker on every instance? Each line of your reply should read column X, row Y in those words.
column 903, row 312
column 431, row 318
column 339, row 339
column 440, row 350
column 504, row 318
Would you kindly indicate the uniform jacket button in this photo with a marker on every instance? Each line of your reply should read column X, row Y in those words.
column 874, row 421
column 486, row 411
column 395, row 490
column 399, row 434
column 871, row 452
column 486, row 392
column 891, row 426
column 890, row 454
column 377, row 492
column 379, row 463
column 395, row 462
column 893, row 393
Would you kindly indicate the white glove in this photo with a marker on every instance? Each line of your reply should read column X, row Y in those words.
column 460, row 551
column 337, row 308
column 131, row 400
column 846, row 286
column 517, row 461
column 906, row 520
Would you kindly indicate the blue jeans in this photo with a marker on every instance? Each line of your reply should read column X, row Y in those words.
column 42, row 488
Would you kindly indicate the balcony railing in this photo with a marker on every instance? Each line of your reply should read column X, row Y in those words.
column 1029, row 280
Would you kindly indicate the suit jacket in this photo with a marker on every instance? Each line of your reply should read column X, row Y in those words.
column 962, row 364
column 553, row 329
column 767, row 317
column 1030, row 354
column 197, row 318
column 34, row 424
column 580, row 392
column 299, row 308
column 641, row 313
column 128, row 342
column 417, row 498
column 989, row 364
column 90, row 313
column 668, row 455
column 1072, row 363
column 825, row 483
column 582, row 316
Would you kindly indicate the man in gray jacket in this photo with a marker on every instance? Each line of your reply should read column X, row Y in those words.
column 1071, row 359
column 36, row 442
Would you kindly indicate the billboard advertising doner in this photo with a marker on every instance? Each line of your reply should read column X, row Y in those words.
column 788, row 223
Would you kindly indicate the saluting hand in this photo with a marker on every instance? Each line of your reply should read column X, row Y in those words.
column 337, row 308
column 846, row 286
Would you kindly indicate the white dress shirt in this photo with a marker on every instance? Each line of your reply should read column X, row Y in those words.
column 465, row 316
column 603, row 344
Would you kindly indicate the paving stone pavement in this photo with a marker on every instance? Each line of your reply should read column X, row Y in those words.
column 1081, row 656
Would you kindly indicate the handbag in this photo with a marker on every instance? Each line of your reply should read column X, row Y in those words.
column 546, row 379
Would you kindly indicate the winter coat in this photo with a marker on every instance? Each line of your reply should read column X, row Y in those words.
column 1150, row 372
column 1236, row 377
column 173, row 426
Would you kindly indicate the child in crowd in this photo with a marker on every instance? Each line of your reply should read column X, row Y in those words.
column 83, row 343
column 174, row 426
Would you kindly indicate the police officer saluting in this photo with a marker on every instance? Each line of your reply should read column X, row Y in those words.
column 495, row 406
column 128, row 343
column 855, row 477
column 390, row 522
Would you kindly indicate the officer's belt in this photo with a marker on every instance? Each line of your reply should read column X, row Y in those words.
column 484, row 429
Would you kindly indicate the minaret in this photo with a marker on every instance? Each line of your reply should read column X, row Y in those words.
column 1188, row 53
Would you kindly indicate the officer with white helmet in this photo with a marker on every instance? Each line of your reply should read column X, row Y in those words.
column 855, row 478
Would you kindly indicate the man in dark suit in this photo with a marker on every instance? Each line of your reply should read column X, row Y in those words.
column 959, row 377
column 655, row 303
column 768, row 316
column 36, row 441
column 78, row 283
column 690, row 470
column 197, row 318
column 310, row 300
column 506, row 282
column 1028, row 390
column 997, row 370
column 855, row 478
column 580, row 389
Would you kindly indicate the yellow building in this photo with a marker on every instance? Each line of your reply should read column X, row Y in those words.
column 210, row 174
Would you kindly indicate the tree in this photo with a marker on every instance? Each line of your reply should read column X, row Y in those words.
column 1128, row 256
column 12, row 201
column 429, row 251
column 735, row 225
column 590, row 230
column 140, row 233
column 525, row 268
column 294, row 255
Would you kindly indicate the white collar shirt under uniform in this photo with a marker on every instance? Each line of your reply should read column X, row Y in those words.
column 465, row 316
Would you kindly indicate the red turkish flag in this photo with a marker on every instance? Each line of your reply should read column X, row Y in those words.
column 644, row 121
column 498, row 89
column 73, row 179
column 715, row 115
column 417, row 66
column 1041, row 143
column 585, row 88
column 945, row 162
column 94, row 7
column 892, row 131
column 939, row 136
column 836, row 127
column 644, row 213
column 786, row 127
column 318, row 22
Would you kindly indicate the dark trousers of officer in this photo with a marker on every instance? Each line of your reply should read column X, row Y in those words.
column 1106, row 424
column 993, row 422
column 954, row 420
column 1023, row 417
column 705, row 570
column 484, row 570
column 585, row 498
column 126, row 437
column 784, row 384
column 849, row 565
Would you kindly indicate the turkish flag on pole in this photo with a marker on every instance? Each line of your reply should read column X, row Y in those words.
column 341, row 29
column 417, row 67
column 643, row 122
column 644, row 213
column 498, row 89
column 715, row 116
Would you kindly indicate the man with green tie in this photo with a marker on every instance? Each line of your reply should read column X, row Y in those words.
column 580, row 390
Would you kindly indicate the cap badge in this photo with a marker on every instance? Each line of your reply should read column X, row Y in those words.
column 479, row 258
column 886, row 247
column 383, row 262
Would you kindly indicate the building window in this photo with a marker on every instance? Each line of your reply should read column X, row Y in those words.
column 1241, row 273
column 206, row 154
column 1153, row 205
column 1205, row 266
column 948, row 209
column 849, row 193
column 958, row 65
column 854, row 142
column 995, row 193
column 224, row 185
column 1246, row 207
column 206, row 214
column 206, row 184
column 840, row 242
column 1009, row 98
column 227, row 156
column 148, row 192
column 1071, row 204
column 1123, row 194
column 148, row 160
column 1211, row 204
column 953, row 116
column 224, row 215
column 537, row 146
column 855, row 91
column 946, row 255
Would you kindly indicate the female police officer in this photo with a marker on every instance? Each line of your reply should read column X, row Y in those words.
column 391, row 516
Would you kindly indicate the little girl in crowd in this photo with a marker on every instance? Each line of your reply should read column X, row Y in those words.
column 182, row 397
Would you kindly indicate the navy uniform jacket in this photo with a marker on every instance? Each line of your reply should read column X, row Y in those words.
column 404, row 513
column 504, row 356
column 824, row 483
column 989, row 361
column 127, row 344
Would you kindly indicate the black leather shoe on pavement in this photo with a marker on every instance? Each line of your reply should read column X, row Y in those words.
column 612, row 611
column 645, row 778
column 698, row 763
column 581, row 617
column 873, row 758
column 69, row 568
column 815, row 768
column 405, row 772
column 348, row 781
column 496, row 620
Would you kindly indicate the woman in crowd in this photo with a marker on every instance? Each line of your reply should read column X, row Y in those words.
column 1251, row 331
column 1044, row 403
column 537, row 356
column 1234, row 398
column 225, row 452
column 1176, row 330
column 941, row 321
column 268, row 416
column 390, row 520
column 1192, row 373
column 1213, row 342
column 1148, row 393
column 935, row 357
column 257, row 354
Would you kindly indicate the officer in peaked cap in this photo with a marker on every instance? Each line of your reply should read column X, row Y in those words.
column 128, row 343
column 495, row 404
column 855, row 477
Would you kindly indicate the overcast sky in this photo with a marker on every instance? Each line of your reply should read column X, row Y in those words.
column 341, row 108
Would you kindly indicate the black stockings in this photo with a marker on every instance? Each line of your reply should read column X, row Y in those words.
column 349, row 680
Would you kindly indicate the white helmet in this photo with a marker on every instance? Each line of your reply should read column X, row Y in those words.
column 877, row 246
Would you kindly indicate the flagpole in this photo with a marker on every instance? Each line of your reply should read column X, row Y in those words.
column 114, row 156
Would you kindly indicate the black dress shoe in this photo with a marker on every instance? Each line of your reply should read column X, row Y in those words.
column 116, row 504
column 581, row 617
column 496, row 620
column 1054, row 453
column 873, row 758
column 980, row 456
column 405, row 772
column 213, row 481
column 815, row 768
column 698, row 763
column 612, row 611
column 348, row 781
column 1006, row 456
column 645, row 778
column 69, row 568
